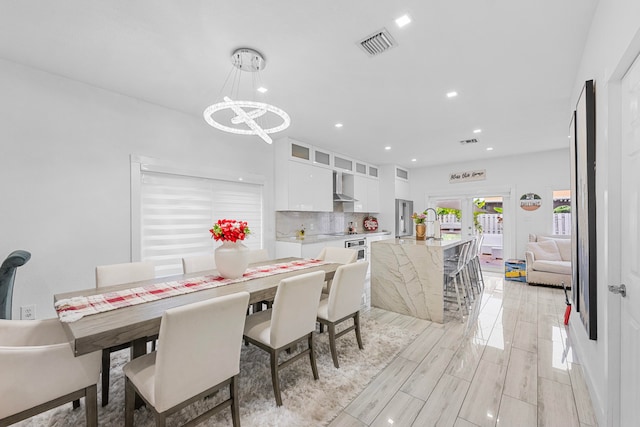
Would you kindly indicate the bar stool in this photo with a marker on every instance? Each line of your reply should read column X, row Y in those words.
column 454, row 275
column 469, row 271
column 476, row 261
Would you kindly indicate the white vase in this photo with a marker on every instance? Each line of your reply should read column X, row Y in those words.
column 232, row 259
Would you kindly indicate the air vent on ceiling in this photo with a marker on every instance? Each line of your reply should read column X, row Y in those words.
column 469, row 141
column 377, row 43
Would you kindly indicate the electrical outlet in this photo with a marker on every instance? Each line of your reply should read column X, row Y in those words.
column 28, row 312
column 311, row 227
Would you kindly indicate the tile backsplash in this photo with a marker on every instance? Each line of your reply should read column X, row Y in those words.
column 289, row 222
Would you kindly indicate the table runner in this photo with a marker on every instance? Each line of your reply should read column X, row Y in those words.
column 72, row 309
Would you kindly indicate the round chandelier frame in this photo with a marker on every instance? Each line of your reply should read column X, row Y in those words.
column 246, row 112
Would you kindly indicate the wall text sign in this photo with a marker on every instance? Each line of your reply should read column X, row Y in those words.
column 477, row 175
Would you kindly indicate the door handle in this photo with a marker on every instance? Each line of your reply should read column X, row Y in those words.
column 622, row 290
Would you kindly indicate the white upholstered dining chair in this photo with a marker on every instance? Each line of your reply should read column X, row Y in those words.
column 195, row 264
column 199, row 353
column 117, row 274
column 343, row 304
column 291, row 319
column 128, row 272
column 38, row 371
column 338, row 255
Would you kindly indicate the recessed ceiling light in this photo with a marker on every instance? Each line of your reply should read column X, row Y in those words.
column 262, row 89
column 452, row 94
column 338, row 125
column 477, row 130
column 240, row 179
column 403, row 20
column 489, row 148
column 414, row 160
column 387, row 148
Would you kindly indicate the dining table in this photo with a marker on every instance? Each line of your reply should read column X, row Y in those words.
column 133, row 324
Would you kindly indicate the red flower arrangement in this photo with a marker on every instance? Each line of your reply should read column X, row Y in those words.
column 230, row 230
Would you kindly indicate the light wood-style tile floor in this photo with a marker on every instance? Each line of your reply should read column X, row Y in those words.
column 510, row 364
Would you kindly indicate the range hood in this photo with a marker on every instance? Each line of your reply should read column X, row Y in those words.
column 338, row 195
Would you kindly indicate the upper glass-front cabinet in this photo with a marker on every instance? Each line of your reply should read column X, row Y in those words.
column 306, row 153
column 321, row 157
column 343, row 163
column 300, row 151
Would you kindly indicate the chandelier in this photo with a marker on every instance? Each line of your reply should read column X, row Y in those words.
column 246, row 117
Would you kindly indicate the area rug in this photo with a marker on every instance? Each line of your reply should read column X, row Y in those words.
column 305, row 402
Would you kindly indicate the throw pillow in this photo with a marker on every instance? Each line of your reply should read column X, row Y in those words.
column 546, row 250
column 564, row 247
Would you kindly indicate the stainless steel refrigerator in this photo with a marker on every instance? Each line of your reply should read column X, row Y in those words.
column 404, row 223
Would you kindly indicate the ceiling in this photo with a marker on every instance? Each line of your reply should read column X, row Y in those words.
column 513, row 64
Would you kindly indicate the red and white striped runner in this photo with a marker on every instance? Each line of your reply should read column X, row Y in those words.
column 72, row 309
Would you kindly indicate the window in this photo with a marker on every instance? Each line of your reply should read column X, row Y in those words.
column 562, row 212
column 176, row 212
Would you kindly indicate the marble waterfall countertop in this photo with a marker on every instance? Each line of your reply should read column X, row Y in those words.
column 318, row 238
column 407, row 276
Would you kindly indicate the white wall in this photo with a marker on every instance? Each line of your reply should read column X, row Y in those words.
column 539, row 173
column 65, row 180
column 613, row 42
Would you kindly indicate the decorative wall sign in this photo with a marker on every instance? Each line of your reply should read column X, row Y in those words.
column 370, row 223
column 530, row 201
column 466, row 176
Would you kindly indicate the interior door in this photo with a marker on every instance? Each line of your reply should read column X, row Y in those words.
column 630, row 249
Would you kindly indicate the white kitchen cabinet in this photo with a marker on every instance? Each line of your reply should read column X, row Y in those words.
column 373, row 195
column 309, row 188
column 300, row 184
column 366, row 191
column 304, row 179
column 360, row 194
column 300, row 249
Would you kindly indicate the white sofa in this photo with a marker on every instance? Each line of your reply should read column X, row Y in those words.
column 549, row 260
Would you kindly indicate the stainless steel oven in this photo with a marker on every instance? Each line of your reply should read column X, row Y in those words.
column 359, row 245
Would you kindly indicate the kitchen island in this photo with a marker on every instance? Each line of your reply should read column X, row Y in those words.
column 407, row 275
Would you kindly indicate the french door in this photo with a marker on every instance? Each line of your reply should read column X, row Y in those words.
column 500, row 241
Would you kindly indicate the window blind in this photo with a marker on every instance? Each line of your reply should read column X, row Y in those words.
column 177, row 212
